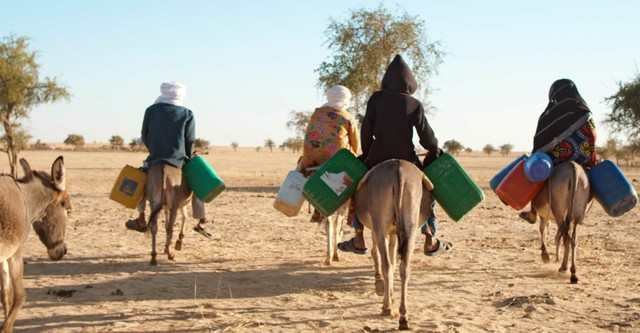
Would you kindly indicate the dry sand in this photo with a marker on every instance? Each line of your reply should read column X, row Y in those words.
column 264, row 272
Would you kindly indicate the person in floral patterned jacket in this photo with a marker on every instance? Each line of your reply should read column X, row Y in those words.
column 331, row 128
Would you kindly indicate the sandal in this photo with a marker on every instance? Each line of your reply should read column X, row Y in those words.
column 203, row 231
column 134, row 225
column 316, row 217
column 443, row 247
column 527, row 217
column 350, row 246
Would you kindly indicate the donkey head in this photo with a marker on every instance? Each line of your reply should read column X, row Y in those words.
column 51, row 226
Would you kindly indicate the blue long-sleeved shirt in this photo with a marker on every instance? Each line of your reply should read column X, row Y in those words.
column 168, row 132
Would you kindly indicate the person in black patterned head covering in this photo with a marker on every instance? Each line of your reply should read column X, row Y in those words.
column 565, row 131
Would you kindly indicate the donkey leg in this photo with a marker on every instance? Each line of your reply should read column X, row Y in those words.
column 5, row 284
column 383, row 247
column 565, row 257
column 574, row 245
column 337, row 234
column 544, row 222
column 393, row 256
column 153, row 227
column 16, row 270
column 405, row 272
column 181, row 236
column 375, row 255
column 329, row 228
column 173, row 215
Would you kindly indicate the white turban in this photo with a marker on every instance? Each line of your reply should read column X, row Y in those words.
column 338, row 97
column 171, row 93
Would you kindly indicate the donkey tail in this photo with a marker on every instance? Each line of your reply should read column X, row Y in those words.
column 573, row 188
column 401, row 231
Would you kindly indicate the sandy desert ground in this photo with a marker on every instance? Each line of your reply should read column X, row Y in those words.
column 264, row 272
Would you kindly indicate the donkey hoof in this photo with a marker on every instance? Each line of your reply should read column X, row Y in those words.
column 574, row 279
column 379, row 287
column 404, row 324
column 153, row 262
column 545, row 257
column 171, row 256
column 178, row 245
column 386, row 313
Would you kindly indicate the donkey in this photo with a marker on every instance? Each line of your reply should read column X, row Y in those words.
column 333, row 227
column 564, row 198
column 39, row 199
column 167, row 190
column 391, row 200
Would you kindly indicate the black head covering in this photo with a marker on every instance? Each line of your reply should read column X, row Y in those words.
column 565, row 112
column 399, row 77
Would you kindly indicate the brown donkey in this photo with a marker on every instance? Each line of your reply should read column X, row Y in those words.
column 39, row 199
column 167, row 190
column 564, row 198
column 391, row 201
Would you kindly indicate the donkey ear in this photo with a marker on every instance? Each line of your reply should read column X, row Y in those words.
column 58, row 174
column 28, row 173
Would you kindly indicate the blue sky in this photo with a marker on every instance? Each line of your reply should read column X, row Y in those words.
column 247, row 64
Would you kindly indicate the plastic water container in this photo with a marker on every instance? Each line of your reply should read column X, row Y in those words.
column 129, row 186
column 335, row 182
column 495, row 181
column 453, row 188
column 289, row 199
column 516, row 189
column 202, row 179
column 612, row 189
column 538, row 167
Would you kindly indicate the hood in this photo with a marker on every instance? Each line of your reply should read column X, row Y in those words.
column 399, row 77
column 566, row 112
column 563, row 89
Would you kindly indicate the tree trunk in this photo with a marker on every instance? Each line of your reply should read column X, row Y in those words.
column 12, row 153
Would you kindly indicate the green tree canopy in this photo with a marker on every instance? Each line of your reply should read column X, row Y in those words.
column 201, row 143
column 75, row 140
column 298, row 121
column 488, row 149
column 116, row 141
column 625, row 114
column 365, row 43
column 452, row 147
column 21, row 89
column 269, row 143
column 506, row 149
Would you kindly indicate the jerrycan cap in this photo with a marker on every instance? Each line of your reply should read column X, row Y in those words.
column 537, row 167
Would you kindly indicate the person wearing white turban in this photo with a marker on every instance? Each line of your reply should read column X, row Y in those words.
column 331, row 127
column 168, row 132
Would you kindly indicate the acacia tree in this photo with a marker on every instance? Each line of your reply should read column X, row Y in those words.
column 201, row 144
column 75, row 140
column 506, row 149
column 625, row 114
column 488, row 149
column 453, row 147
column 116, row 142
column 21, row 89
column 269, row 143
column 365, row 43
column 298, row 122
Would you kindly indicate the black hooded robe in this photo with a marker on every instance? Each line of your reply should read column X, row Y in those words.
column 392, row 113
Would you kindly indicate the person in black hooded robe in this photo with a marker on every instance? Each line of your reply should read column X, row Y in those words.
column 565, row 131
column 387, row 132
